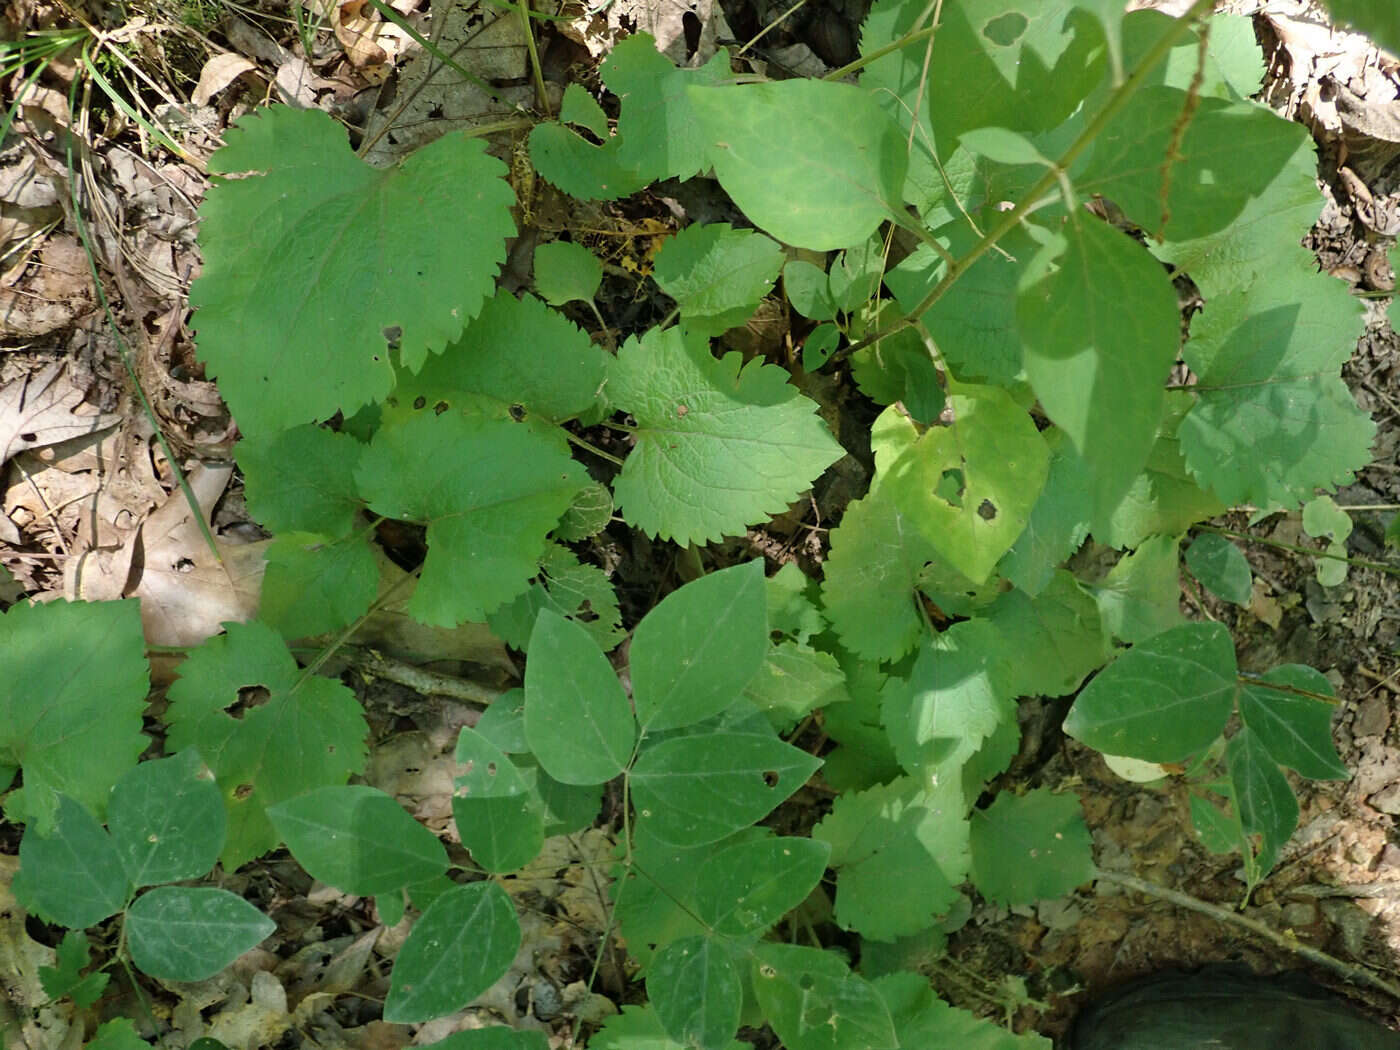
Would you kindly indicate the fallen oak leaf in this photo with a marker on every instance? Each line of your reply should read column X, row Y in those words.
column 37, row 410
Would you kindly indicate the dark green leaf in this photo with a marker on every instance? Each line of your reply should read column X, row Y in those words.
column 74, row 876
column 1221, row 567
column 1296, row 730
column 167, row 820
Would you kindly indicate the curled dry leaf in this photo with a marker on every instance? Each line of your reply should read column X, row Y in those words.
column 218, row 73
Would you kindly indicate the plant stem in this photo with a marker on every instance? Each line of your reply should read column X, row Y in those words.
column 1278, row 545
column 590, row 447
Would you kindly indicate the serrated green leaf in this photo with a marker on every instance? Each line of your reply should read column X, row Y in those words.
column 167, row 820
column 588, row 514
column 580, row 168
column 813, row 1002
column 490, row 490
column 1295, row 730
column 181, row 933
column 970, row 486
column 922, row 1019
column 578, row 720
column 358, row 839
column 792, row 605
column 1221, row 567
column 1140, row 596
column 1162, row 700
column 761, row 137
column 566, row 272
column 1030, row 847
column 717, row 274
column 696, row 651
column 66, row 978
column 697, row 789
column 660, row 135
column 74, row 875
column 958, row 692
column 302, row 480
column 581, row 108
column 745, row 888
column 565, row 586
column 499, row 816
column 519, row 353
column 119, row 1034
column 911, row 833
column 793, row 681
column 495, row 1038
column 314, row 584
column 719, row 447
column 306, row 733
column 638, row 1028
column 1100, row 328
column 310, row 260
column 73, row 682
column 695, row 988
column 459, row 947
column 1059, row 520
column 1057, row 637
column 1263, row 796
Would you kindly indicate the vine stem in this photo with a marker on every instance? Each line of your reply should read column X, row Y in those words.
column 1350, row 971
column 1052, row 177
column 1280, row 545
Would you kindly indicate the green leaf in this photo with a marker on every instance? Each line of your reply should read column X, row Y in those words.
column 696, row 651
column 794, row 681
column 121, row 1035
column 1059, row 520
column 73, row 682
column 718, row 446
column 566, row 272
column 814, row 1002
column 582, row 593
column 1380, row 23
column 1164, row 699
column 911, row 833
column 717, row 274
column 66, row 978
column 1141, row 595
column 1100, row 328
column 1221, row 567
column 696, row 990
column 167, row 820
column 499, row 816
column 308, row 261
column 503, row 723
column 792, row 605
column 578, row 720
column 495, row 1038
column 580, row 168
column 1295, row 730
column 179, row 933
column 819, row 345
column 74, row 875
column 296, row 733
column 490, row 490
column 969, row 486
column 1030, row 847
column 697, row 789
column 922, row 1019
column 1057, row 637
column 660, row 134
column 314, row 584
column 358, row 839
column 588, row 514
column 459, row 948
column 745, row 888
column 1266, row 803
column 519, row 353
column 639, row 1028
column 1322, row 518
column 302, row 480
column 1003, row 146
column 818, row 165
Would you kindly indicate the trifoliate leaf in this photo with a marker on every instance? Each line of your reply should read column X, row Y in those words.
column 1221, row 567
column 1295, row 729
column 912, row 834
column 489, row 490
column 760, row 139
column 73, row 682
column 73, row 876
column 565, row 272
column 190, row 933
column 1030, row 847
column 719, row 447
column 294, row 732
column 302, row 480
column 315, row 263
column 518, row 352
column 1100, row 328
column 566, row 586
column 717, row 274
column 1164, row 699
column 167, row 820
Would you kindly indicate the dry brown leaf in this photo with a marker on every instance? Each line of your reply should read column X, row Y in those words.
column 38, row 410
column 218, row 73
column 49, row 295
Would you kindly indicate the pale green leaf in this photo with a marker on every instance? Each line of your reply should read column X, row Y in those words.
column 167, row 820
column 179, row 933
column 578, row 720
column 1141, row 595
column 73, row 683
column 794, row 681
column 565, row 271
column 358, row 839
column 311, row 259
column 73, row 876
column 1030, row 847
column 459, row 947
column 696, row 990
column 1003, row 146
column 717, row 274
column 489, row 490
column 818, row 165
column 1164, row 699
column 719, row 447
column 745, row 888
